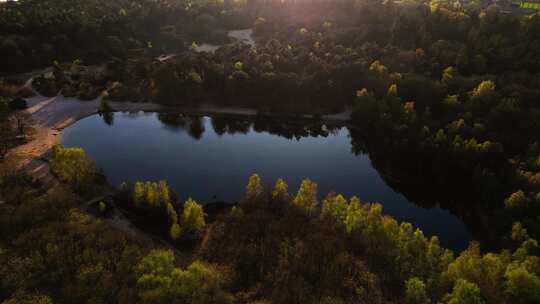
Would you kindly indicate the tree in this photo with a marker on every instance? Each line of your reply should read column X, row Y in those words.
column 254, row 189
column 280, row 192
column 171, row 213
column 105, row 107
column 192, row 221
column 516, row 200
column 379, row 69
column 448, row 75
column 392, row 91
column 485, row 88
column 154, row 195
column 154, row 276
column 451, row 102
column 73, row 166
column 519, row 233
column 175, row 231
column 465, row 292
column 160, row 282
column 440, row 137
column 415, row 292
column 306, row 198
column 138, row 193
column 151, row 194
column 354, row 214
column 163, row 193
column 483, row 96
column 409, row 112
column 29, row 299
column 522, row 286
column 335, row 207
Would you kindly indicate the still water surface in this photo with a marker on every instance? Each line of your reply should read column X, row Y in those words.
column 210, row 159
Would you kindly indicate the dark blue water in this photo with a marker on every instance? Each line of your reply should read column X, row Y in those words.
column 211, row 161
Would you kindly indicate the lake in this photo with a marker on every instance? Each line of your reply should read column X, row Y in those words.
column 210, row 159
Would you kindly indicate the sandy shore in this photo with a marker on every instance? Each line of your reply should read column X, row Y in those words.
column 49, row 117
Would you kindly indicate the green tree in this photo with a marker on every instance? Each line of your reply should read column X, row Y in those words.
column 160, row 282
column 29, row 299
column 280, row 191
column 517, row 199
column 306, row 198
column 154, row 276
column 522, row 286
column 379, row 69
column 105, row 107
column 192, row 221
column 485, row 88
column 465, row 292
column 483, row 96
column 440, row 137
column 73, row 166
column 138, row 193
column 448, row 75
column 176, row 232
column 354, row 214
column 254, row 189
column 392, row 91
column 171, row 213
column 152, row 195
column 415, row 292
column 409, row 112
column 519, row 233
column 163, row 193
column 335, row 206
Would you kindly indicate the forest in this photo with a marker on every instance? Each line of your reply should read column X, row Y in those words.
column 443, row 95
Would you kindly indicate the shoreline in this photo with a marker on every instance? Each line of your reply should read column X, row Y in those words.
column 51, row 115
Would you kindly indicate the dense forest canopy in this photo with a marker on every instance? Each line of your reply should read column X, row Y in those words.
column 443, row 94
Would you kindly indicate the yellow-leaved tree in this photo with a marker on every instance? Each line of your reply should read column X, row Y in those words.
column 306, row 198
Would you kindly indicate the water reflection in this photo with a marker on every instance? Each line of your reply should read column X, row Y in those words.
column 178, row 122
column 224, row 125
column 108, row 118
column 221, row 125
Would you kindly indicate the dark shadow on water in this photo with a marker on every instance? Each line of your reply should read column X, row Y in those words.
column 193, row 125
column 108, row 118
